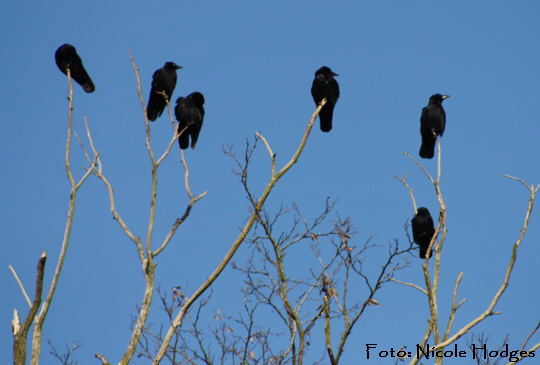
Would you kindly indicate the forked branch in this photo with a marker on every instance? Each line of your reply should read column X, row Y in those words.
column 20, row 333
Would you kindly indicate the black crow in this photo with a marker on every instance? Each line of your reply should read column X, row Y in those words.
column 325, row 86
column 432, row 123
column 66, row 57
column 163, row 80
column 189, row 113
column 423, row 230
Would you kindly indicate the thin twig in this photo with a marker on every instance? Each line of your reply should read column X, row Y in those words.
column 81, row 144
column 20, row 285
column 143, row 104
column 530, row 335
column 186, row 178
column 192, row 201
column 410, row 189
column 168, row 149
column 270, row 152
column 91, row 142
column 519, row 358
column 455, row 306
column 420, row 289
column 112, row 207
column 519, row 180
column 177, row 224
column 88, row 172
column 420, row 166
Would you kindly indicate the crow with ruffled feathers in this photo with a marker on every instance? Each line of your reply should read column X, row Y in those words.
column 190, row 114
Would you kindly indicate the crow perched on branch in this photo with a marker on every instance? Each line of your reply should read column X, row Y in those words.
column 325, row 86
column 432, row 123
column 66, row 57
column 163, row 81
column 189, row 113
column 423, row 230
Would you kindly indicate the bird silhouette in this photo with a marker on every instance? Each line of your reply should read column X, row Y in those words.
column 325, row 86
column 190, row 114
column 432, row 124
column 66, row 57
column 423, row 230
column 163, row 81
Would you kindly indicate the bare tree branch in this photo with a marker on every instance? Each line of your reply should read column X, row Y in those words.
column 526, row 341
column 65, row 358
column 410, row 189
column 420, row 166
column 143, row 104
column 117, row 217
column 270, row 152
column 192, row 201
column 420, row 289
column 455, row 306
column 102, row 358
column 20, row 334
column 40, row 317
column 20, row 285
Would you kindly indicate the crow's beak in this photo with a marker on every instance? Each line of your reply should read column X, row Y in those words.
column 177, row 67
column 334, row 74
column 445, row 96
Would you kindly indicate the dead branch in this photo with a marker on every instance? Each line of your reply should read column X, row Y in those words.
column 20, row 285
column 20, row 334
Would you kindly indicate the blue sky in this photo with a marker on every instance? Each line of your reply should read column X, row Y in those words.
column 254, row 62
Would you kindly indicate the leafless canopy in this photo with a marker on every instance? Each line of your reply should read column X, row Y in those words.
column 313, row 311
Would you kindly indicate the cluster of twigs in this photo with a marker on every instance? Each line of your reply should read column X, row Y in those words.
column 305, row 306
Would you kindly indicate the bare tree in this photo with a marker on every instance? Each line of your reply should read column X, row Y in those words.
column 147, row 251
column 323, row 304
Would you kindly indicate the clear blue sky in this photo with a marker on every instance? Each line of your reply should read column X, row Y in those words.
column 254, row 61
